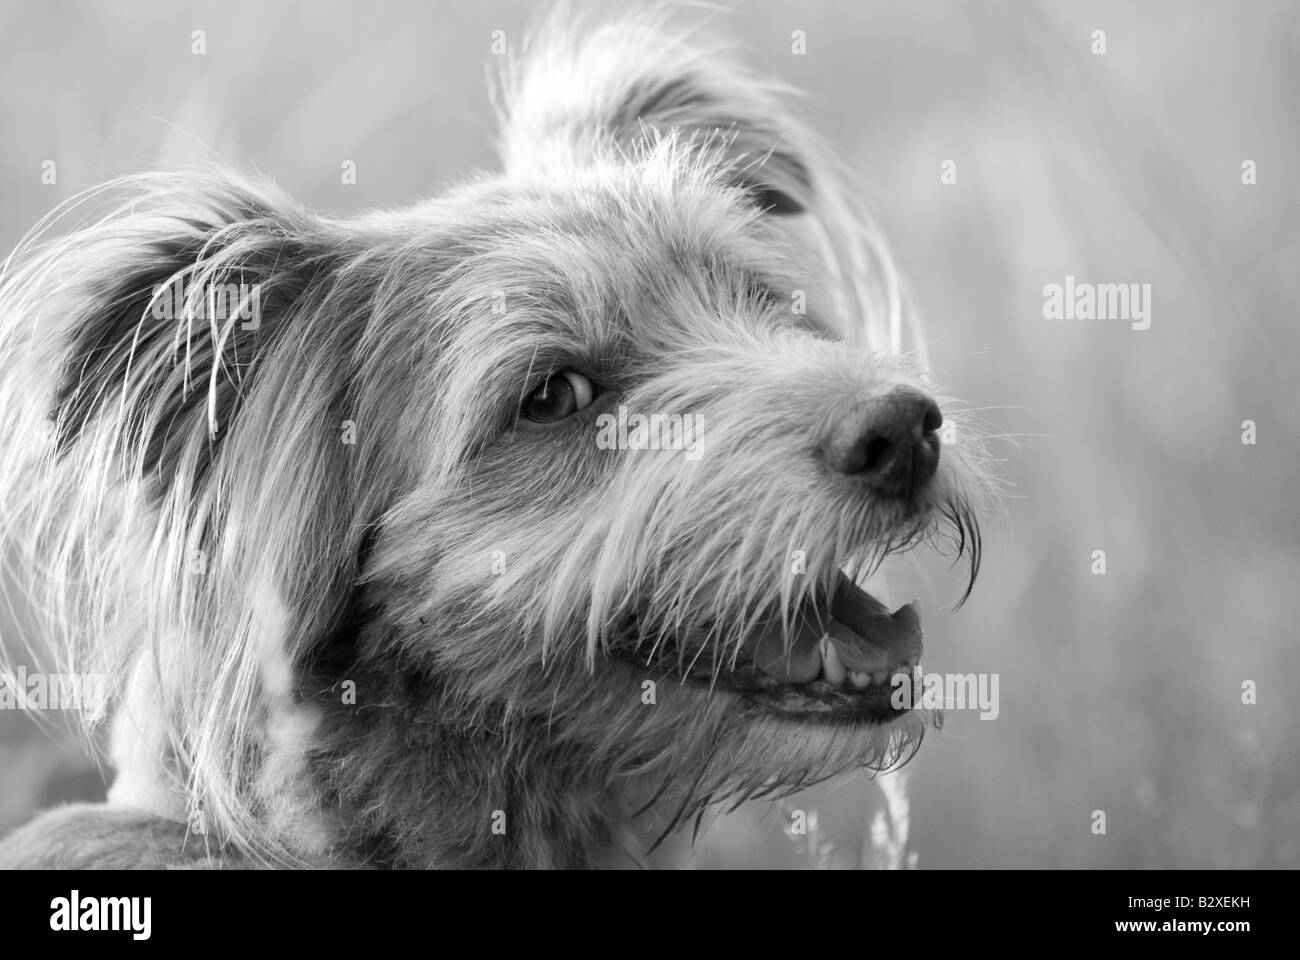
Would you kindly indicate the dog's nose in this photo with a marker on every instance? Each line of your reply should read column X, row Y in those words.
column 889, row 441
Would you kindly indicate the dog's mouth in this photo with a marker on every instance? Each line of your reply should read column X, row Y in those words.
column 852, row 662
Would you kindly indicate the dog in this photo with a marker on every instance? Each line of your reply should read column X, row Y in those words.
column 513, row 529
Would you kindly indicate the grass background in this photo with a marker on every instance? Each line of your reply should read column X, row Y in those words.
column 1118, row 693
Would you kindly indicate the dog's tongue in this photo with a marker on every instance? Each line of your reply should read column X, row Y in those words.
column 867, row 638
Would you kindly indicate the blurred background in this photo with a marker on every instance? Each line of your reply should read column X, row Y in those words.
column 1119, row 693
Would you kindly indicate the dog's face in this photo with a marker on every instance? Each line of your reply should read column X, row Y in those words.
column 615, row 424
column 680, row 610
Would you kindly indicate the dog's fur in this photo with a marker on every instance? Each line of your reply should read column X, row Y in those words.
column 373, row 652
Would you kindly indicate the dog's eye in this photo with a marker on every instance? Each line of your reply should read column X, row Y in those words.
column 560, row 396
column 776, row 202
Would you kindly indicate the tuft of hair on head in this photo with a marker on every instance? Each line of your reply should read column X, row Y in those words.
column 581, row 89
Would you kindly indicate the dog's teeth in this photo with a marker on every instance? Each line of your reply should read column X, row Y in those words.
column 860, row 681
column 833, row 671
column 880, row 678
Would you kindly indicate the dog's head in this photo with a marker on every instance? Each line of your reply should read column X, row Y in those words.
column 595, row 447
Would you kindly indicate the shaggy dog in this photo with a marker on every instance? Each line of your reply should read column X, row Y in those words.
column 465, row 534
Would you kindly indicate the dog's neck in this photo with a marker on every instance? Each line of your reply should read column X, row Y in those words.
column 383, row 779
column 418, row 792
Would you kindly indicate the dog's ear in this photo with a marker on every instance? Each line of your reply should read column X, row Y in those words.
column 166, row 313
column 186, row 457
column 575, row 96
column 572, row 93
